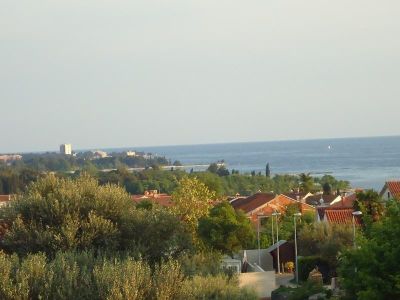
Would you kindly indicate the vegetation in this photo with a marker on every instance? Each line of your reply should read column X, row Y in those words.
column 226, row 230
column 302, row 292
column 74, row 275
column 325, row 242
column 75, row 239
column 371, row 271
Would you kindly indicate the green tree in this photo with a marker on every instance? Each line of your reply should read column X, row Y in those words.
column 371, row 271
column 327, row 188
column 226, row 230
column 267, row 171
column 306, row 182
column 64, row 214
column 192, row 200
column 213, row 168
column 371, row 205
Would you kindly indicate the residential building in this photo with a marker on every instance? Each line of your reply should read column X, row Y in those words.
column 10, row 157
column 342, row 216
column 66, row 149
column 4, row 200
column 130, row 153
column 391, row 190
column 323, row 199
column 266, row 204
column 154, row 197
column 99, row 154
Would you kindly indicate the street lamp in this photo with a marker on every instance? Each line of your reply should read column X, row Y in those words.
column 276, row 214
column 259, row 216
column 295, row 245
column 355, row 213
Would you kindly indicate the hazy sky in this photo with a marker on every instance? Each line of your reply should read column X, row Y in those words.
column 133, row 73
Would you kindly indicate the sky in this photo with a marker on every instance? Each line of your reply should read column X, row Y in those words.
column 113, row 73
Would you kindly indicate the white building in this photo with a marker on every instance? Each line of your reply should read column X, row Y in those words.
column 130, row 153
column 66, row 149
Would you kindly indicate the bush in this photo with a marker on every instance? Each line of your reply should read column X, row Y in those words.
column 216, row 287
column 308, row 263
column 299, row 293
column 81, row 275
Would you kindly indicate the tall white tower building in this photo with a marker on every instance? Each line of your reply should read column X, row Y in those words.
column 66, row 149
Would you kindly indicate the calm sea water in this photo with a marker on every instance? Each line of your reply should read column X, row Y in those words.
column 365, row 162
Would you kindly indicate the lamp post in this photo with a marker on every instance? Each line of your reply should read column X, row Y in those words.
column 295, row 246
column 276, row 214
column 355, row 213
column 259, row 217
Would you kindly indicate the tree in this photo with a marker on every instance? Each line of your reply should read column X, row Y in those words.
column 73, row 215
column 213, row 168
column 306, row 182
column 222, row 171
column 267, row 171
column 226, row 230
column 371, row 205
column 326, row 241
column 327, row 188
column 371, row 271
column 64, row 214
column 192, row 200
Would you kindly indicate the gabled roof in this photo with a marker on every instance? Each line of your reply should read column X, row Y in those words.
column 393, row 187
column 340, row 216
column 316, row 199
column 252, row 202
column 297, row 196
column 345, row 202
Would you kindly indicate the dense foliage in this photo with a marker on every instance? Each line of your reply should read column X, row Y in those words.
column 74, row 275
column 326, row 241
column 63, row 214
column 226, row 230
column 76, row 239
column 371, row 271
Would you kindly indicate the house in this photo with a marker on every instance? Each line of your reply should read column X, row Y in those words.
column 345, row 202
column 266, row 204
column 391, row 190
column 4, row 200
column 297, row 195
column 322, row 199
column 342, row 216
column 154, row 197
column 286, row 254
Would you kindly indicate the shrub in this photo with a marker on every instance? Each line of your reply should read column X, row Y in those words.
column 308, row 263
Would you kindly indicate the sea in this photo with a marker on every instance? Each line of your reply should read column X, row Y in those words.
column 364, row 162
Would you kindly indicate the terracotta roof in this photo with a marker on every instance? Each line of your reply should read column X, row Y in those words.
column 316, row 199
column 161, row 199
column 394, row 188
column 345, row 202
column 252, row 202
column 5, row 198
column 296, row 196
column 340, row 216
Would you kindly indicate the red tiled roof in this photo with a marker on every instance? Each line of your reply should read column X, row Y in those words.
column 394, row 188
column 252, row 202
column 345, row 202
column 161, row 199
column 5, row 198
column 341, row 216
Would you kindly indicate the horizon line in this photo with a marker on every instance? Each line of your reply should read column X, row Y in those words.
column 209, row 144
